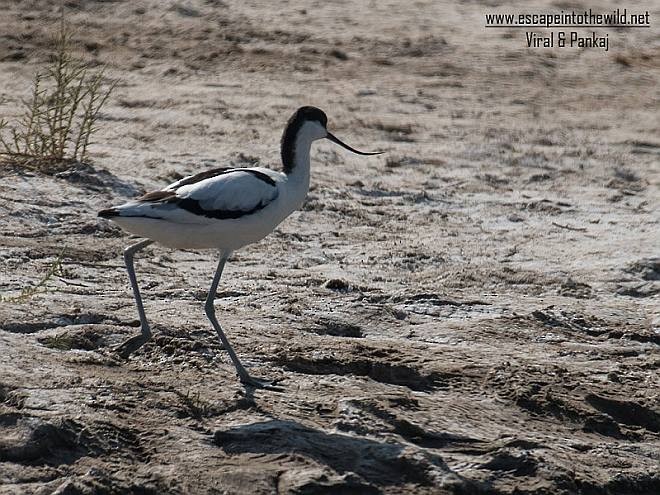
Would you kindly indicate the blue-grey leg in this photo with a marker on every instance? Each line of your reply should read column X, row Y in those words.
column 210, row 313
column 134, row 343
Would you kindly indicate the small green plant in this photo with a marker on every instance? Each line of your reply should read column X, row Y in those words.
column 194, row 406
column 60, row 116
column 27, row 292
column 63, row 342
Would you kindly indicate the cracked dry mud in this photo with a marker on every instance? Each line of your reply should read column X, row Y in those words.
column 474, row 312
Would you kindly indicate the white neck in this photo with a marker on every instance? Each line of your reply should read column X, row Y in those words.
column 298, row 177
column 296, row 145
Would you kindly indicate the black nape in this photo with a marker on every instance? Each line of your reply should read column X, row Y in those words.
column 296, row 121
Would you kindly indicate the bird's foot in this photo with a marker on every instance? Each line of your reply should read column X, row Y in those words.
column 131, row 345
column 252, row 383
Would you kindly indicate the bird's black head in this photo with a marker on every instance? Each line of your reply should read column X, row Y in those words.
column 309, row 114
column 308, row 124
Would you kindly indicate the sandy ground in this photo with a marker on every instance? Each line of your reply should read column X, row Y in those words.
column 474, row 312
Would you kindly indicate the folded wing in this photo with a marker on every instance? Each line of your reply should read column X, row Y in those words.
column 215, row 195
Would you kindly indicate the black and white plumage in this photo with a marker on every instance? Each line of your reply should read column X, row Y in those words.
column 205, row 210
column 223, row 209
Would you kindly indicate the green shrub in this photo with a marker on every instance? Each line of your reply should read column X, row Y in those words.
column 40, row 287
column 60, row 116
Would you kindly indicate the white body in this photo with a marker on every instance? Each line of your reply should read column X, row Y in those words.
column 237, row 190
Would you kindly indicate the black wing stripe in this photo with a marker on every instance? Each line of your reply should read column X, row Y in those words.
column 194, row 179
column 264, row 177
column 193, row 206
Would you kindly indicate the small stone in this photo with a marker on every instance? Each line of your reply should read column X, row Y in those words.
column 339, row 54
column 336, row 284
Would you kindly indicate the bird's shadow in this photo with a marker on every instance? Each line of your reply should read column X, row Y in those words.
column 89, row 177
column 380, row 463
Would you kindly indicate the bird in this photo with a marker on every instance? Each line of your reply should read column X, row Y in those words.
column 223, row 209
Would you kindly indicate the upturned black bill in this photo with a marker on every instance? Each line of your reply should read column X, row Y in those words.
column 336, row 140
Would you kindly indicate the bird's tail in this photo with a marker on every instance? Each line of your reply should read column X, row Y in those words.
column 109, row 213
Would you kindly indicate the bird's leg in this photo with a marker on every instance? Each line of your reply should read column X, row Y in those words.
column 210, row 313
column 134, row 343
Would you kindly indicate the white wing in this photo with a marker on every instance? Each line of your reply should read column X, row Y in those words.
column 218, row 194
column 239, row 192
